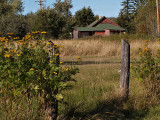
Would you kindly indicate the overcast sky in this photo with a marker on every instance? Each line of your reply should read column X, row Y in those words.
column 108, row 8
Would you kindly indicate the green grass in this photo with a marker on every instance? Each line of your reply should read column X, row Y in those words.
column 95, row 84
column 96, row 96
column 119, row 37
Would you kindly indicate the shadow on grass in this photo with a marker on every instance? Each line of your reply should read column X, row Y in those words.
column 107, row 110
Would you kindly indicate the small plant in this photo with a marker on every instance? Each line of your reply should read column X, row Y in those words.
column 146, row 69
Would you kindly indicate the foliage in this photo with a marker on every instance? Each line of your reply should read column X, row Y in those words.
column 147, row 69
column 31, row 21
column 127, row 14
column 58, row 22
column 63, row 8
column 67, row 29
column 10, row 20
column 146, row 22
column 45, row 21
column 28, row 69
column 13, row 23
column 84, row 17
column 139, row 16
column 10, row 6
column 125, row 22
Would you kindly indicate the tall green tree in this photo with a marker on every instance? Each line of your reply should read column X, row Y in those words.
column 138, row 16
column 11, row 6
column 48, row 20
column 10, row 18
column 31, row 21
column 146, row 20
column 13, row 23
column 63, row 8
column 127, row 14
column 84, row 17
column 57, row 21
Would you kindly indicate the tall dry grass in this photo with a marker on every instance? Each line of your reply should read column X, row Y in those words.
column 100, row 47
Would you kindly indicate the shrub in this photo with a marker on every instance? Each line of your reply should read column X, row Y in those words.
column 28, row 71
column 147, row 69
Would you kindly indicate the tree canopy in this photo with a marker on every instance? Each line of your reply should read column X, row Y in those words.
column 10, row 18
column 138, row 16
column 84, row 17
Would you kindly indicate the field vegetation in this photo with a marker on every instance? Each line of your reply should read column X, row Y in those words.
column 94, row 95
column 102, row 47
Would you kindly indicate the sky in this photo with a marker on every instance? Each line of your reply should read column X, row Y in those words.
column 107, row 8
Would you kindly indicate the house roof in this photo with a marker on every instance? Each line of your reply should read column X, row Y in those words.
column 93, row 24
column 109, row 27
column 100, row 27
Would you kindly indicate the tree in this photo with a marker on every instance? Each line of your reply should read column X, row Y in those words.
column 63, row 8
column 84, row 17
column 48, row 20
column 125, row 22
column 11, row 6
column 127, row 14
column 10, row 19
column 113, row 19
column 145, row 19
column 31, row 21
column 57, row 22
column 138, row 16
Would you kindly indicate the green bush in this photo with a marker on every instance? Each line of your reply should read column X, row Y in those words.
column 28, row 72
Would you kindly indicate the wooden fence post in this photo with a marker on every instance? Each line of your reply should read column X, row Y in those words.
column 125, row 69
column 51, row 109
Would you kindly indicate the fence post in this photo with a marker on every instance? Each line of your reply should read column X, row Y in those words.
column 125, row 69
column 51, row 109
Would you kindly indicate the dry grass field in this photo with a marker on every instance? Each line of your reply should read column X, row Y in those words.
column 100, row 47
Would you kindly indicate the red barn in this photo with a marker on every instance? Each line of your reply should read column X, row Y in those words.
column 103, row 27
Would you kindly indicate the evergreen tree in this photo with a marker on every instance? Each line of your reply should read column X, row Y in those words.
column 127, row 14
column 139, row 16
column 84, row 17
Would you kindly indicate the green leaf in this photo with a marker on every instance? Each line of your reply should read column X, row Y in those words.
column 59, row 97
column 44, row 74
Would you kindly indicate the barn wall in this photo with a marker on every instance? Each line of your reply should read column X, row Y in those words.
column 107, row 32
column 99, row 33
